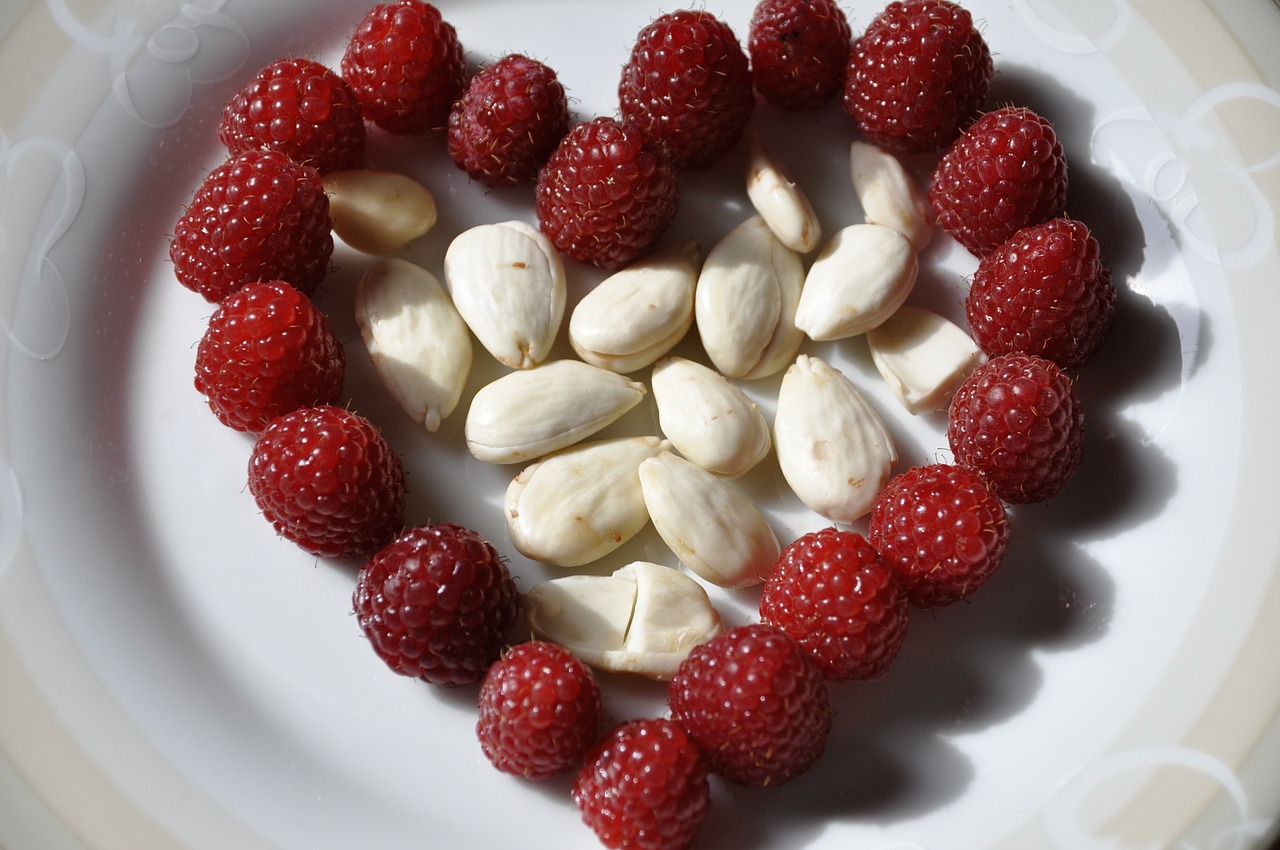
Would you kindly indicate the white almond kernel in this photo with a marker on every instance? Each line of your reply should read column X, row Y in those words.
column 378, row 212
column 708, row 418
column 923, row 357
column 779, row 201
column 862, row 275
column 889, row 195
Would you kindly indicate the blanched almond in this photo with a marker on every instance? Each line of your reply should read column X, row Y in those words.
column 709, row 418
column 378, row 212
column 779, row 201
column 924, row 357
column 858, row 280
column 889, row 195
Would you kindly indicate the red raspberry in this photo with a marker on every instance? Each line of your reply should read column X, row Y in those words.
column 833, row 593
column 1006, row 172
column 799, row 50
column 943, row 528
column 604, row 197
column 405, row 63
column 539, row 711
column 437, row 603
column 510, row 119
column 300, row 108
column 327, row 480
column 918, row 76
column 258, row 216
column 1017, row 421
column 1046, row 292
column 755, row 702
column 688, row 86
column 644, row 787
column 267, row 351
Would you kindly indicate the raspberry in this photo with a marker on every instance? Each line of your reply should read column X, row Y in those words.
column 300, row 108
column 1044, row 291
column 755, row 702
column 267, row 351
column 258, row 216
column 833, row 593
column 327, row 480
column 918, row 76
column 644, row 787
column 511, row 117
column 406, row 65
column 799, row 50
column 943, row 528
column 604, row 197
column 539, row 711
column 1004, row 173
column 688, row 87
column 437, row 603
column 1017, row 421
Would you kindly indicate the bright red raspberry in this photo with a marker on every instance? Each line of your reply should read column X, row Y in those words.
column 644, row 787
column 688, row 87
column 1006, row 172
column 511, row 117
column 437, row 603
column 943, row 528
column 918, row 76
column 798, row 50
column 300, row 108
column 1044, row 291
column 831, row 591
column 756, row 704
column 539, row 711
column 605, row 197
column 267, row 351
column 405, row 63
column 1017, row 421
column 258, row 216
column 328, row 481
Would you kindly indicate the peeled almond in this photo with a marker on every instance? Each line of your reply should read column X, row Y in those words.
column 708, row 418
column 862, row 275
column 378, row 212
column 889, row 195
column 780, row 202
column 923, row 357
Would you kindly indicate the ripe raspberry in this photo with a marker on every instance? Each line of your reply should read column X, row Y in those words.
column 1044, row 291
column 799, row 50
column 604, row 197
column 258, row 216
column 539, row 711
column 511, row 117
column 437, row 603
column 833, row 593
column 688, row 87
column 1006, row 172
column 644, row 787
column 943, row 528
column 406, row 65
column 327, row 480
column 918, row 76
column 267, row 351
column 755, row 702
column 1017, row 421
column 300, row 108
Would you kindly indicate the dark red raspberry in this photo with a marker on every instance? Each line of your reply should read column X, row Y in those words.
column 918, row 76
column 799, row 50
column 644, row 787
column 943, row 528
column 300, row 108
column 328, row 481
column 756, row 704
column 267, row 351
column 1045, row 292
column 846, row 606
column 437, row 604
column 1017, row 421
column 405, row 63
column 688, row 87
column 258, row 216
column 605, row 197
column 539, row 711
column 511, row 117
column 1006, row 172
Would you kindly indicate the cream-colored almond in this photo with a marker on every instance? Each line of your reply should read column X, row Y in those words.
column 889, row 195
column 711, row 527
column 923, row 357
column 378, row 212
column 708, row 418
column 862, row 275
column 833, row 448
column 418, row 343
column 779, row 201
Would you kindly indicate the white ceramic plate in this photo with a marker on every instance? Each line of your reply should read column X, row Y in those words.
column 173, row 675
